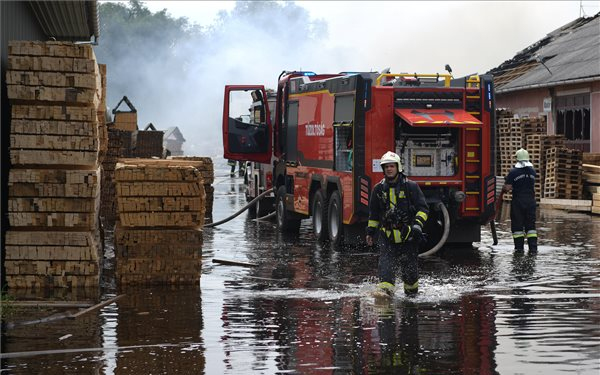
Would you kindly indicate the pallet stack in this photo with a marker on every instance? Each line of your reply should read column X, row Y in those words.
column 55, row 92
column 563, row 173
column 207, row 170
column 160, row 207
column 591, row 179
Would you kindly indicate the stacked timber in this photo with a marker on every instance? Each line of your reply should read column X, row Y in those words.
column 207, row 170
column 591, row 179
column 119, row 146
column 55, row 92
column 147, row 143
column 160, row 207
column 563, row 173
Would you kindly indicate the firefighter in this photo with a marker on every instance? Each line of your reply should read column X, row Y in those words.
column 521, row 180
column 397, row 213
column 241, row 168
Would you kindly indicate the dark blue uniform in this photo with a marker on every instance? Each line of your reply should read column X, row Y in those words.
column 394, row 208
column 522, row 208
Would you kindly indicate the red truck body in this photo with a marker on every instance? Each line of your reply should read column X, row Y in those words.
column 326, row 133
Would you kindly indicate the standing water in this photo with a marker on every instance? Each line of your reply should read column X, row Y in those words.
column 307, row 309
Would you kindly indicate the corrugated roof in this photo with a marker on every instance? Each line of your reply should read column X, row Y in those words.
column 68, row 20
column 567, row 55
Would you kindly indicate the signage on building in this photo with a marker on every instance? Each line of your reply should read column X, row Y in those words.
column 548, row 104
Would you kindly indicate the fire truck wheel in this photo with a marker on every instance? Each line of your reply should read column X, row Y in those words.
column 284, row 222
column 319, row 215
column 334, row 220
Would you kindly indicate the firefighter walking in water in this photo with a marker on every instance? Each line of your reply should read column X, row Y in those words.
column 397, row 213
column 521, row 180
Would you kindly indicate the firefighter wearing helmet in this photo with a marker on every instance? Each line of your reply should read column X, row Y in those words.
column 521, row 180
column 397, row 213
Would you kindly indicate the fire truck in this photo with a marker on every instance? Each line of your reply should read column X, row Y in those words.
column 322, row 137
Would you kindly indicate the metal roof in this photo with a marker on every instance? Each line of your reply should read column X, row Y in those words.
column 68, row 20
column 570, row 54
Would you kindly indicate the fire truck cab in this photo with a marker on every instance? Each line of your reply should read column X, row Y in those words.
column 320, row 138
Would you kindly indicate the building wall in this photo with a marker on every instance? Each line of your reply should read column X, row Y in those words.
column 531, row 103
column 17, row 22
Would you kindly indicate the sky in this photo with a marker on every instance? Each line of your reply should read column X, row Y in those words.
column 470, row 36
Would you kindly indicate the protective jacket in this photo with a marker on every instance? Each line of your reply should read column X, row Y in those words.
column 395, row 207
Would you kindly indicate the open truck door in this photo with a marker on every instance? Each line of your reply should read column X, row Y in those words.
column 247, row 124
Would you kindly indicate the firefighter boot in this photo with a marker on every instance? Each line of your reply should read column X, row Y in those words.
column 519, row 243
column 411, row 290
column 532, row 244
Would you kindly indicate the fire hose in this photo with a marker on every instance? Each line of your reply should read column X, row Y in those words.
column 445, row 234
column 252, row 202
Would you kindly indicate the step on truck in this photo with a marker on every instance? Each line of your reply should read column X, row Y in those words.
column 318, row 139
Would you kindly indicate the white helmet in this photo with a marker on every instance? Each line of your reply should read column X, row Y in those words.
column 522, row 155
column 391, row 157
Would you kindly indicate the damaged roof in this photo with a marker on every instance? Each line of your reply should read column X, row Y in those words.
column 570, row 54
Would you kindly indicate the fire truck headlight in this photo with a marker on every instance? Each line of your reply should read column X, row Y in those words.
column 459, row 196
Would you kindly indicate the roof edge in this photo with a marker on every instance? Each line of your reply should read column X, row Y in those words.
column 549, row 84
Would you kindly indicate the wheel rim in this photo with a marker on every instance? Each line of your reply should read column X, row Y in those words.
column 280, row 212
column 318, row 217
column 334, row 225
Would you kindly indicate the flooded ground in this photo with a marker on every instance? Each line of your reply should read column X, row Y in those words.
column 307, row 310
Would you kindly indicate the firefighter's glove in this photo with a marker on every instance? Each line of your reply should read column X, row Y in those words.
column 417, row 233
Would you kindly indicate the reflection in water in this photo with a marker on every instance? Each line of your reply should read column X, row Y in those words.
column 306, row 309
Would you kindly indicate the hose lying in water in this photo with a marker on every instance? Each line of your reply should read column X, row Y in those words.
column 267, row 216
column 253, row 201
column 442, row 241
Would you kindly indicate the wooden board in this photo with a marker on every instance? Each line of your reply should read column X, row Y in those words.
column 54, row 112
column 53, row 79
column 56, row 281
column 66, row 95
column 54, row 142
column 52, row 64
column 70, row 220
column 54, row 183
column 54, row 127
column 53, row 157
column 51, row 48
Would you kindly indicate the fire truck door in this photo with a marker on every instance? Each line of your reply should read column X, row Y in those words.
column 246, row 124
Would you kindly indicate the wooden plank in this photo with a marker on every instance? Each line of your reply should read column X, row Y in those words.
column 55, row 127
column 158, row 189
column 50, row 48
column 52, row 204
column 53, row 183
column 53, row 157
column 52, row 64
column 66, row 95
column 159, row 204
column 54, row 112
column 71, row 220
column 54, row 142
column 52, row 79
column 96, row 307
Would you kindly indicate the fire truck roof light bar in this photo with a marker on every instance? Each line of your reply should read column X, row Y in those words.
column 446, row 77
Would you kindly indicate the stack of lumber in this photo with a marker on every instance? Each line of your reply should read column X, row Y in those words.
column 147, row 143
column 55, row 92
column 160, row 206
column 563, row 173
column 591, row 179
column 102, row 126
column 126, row 121
column 533, row 126
column 119, row 146
column 207, row 170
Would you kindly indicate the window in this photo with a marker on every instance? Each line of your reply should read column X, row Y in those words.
column 573, row 117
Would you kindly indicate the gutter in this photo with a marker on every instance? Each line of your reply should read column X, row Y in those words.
column 549, row 84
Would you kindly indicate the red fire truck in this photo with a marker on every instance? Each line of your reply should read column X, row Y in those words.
column 324, row 134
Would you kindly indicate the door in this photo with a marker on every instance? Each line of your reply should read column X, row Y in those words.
column 246, row 124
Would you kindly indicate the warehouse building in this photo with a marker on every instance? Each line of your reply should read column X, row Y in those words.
column 558, row 77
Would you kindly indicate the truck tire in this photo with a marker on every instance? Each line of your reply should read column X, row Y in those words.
column 335, row 225
column 319, row 216
column 284, row 222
